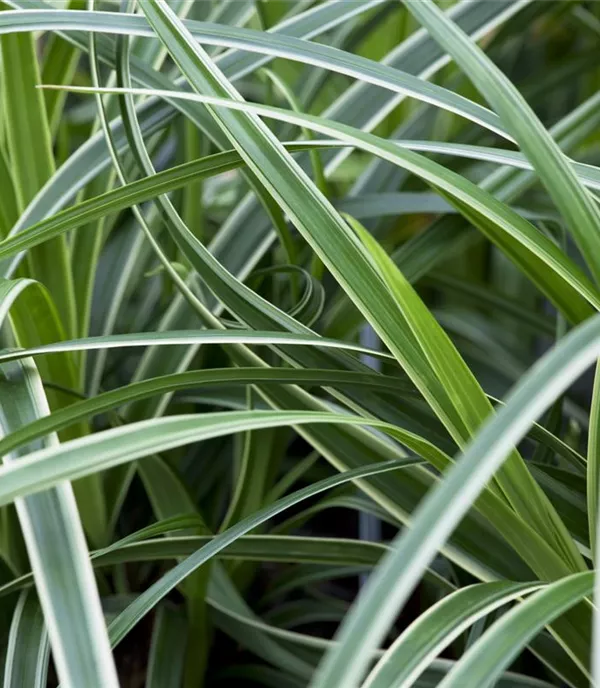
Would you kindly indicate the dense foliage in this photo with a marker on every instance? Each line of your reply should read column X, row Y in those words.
column 298, row 306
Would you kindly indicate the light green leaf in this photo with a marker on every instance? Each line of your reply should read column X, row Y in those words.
column 57, row 548
column 554, row 170
column 436, row 628
column 268, row 43
column 186, row 337
column 28, row 651
column 60, row 63
column 167, row 649
column 435, row 519
column 41, row 469
column 158, row 590
column 546, row 265
column 513, row 477
column 593, row 466
column 181, row 381
column 32, row 162
column 32, row 313
column 485, row 661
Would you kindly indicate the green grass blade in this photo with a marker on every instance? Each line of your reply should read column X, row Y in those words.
column 273, row 548
column 443, row 508
column 167, row 649
column 485, row 661
column 513, row 477
column 199, row 257
column 169, row 496
column 136, row 440
column 593, row 465
column 347, row 452
column 92, row 157
column 365, row 107
column 60, row 63
column 247, row 131
column 476, row 17
column 524, row 244
column 107, row 401
column 396, row 134
column 315, row 158
column 281, row 41
column 187, row 337
column 120, row 273
column 28, row 651
column 32, row 162
column 19, row 299
column 446, row 410
column 8, row 208
column 269, row 43
column 57, row 549
column 152, row 596
column 127, row 443
column 242, row 131
column 574, row 202
column 181, row 175
column 28, row 137
column 137, row 192
column 246, row 304
column 436, row 628
column 448, row 236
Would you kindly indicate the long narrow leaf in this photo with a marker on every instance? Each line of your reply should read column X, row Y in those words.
column 57, row 548
column 493, row 652
column 435, row 629
column 530, row 249
column 270, row 44
column 443, row 508
column 28, row 651
column 575, row 203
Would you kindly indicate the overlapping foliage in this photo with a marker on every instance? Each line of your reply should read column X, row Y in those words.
column 298, row 306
